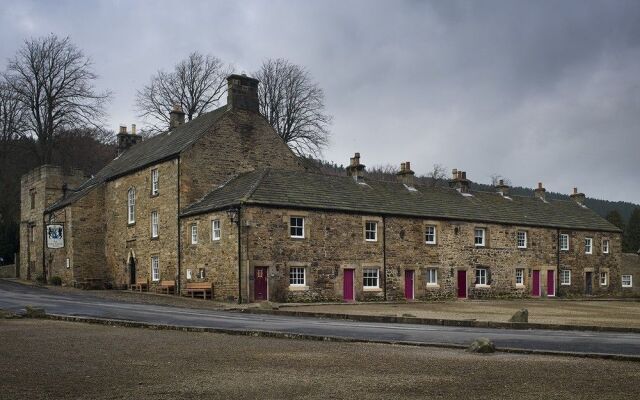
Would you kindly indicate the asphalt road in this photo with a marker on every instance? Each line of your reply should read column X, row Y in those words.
column 14, row 297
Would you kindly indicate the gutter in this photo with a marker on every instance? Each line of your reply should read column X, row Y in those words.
column 384, row 254
column 239, row 225
column 179, row 280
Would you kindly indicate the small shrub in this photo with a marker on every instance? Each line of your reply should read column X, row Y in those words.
column 41, row 280
column 55, row 281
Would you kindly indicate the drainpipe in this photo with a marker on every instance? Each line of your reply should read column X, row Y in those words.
column 557, row 262
column 44, row 240
column 384, row 255
column 179, row 280
column 239, row 224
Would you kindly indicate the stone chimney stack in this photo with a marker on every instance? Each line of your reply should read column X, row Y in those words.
column 459, row 181
column 578, row 197
column 126, row 140
column 176, row 117
column 540, row 191
column 242, row 93
column 406, row 175
column 502, row 188
column 355, row 169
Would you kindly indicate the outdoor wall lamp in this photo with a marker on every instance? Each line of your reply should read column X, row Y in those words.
column 232, row 213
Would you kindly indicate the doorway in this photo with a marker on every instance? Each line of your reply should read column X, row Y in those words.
column 132, row 271
column 462, row 284
column 588, row 283
column 347, row 285
column 260, row 284
column 551, row 284
column 408, row 284
column 535, row 283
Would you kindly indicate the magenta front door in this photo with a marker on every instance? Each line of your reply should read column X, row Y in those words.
column 260, row 283
column 408, row 284
column 347, row 285
column 462, row 284
column 535, row 284
column 551, row 284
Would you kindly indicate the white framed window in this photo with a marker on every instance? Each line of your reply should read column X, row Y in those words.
column 155, row 183
column 588, row 246
column 605, row 246
column 479, row 237
column 154, row 224
column 296, row 227
column 194, row 234
column 519, row 277
column 188, row 274
column 297, row 276
column 482, row 277
column 370, row 278
column 215, row 230
column 565, row 277
column 371, row 231
column 432, row 277
column 131, row 205
column 604, row 278
column 201, row 273
column 430, row 234
column 155, row 268
column 564, row 242
column 522, row 239
column 627, row 281
column 68, row 263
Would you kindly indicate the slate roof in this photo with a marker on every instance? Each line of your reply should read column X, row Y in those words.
column 341, row 193
column 157, row 148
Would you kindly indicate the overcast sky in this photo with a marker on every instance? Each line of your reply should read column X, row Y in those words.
column 535, row 91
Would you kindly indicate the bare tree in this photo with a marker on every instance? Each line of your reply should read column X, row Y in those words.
column 386, row 172
column 197, row 84
column 12, row 119
column 53, row 80
column 496, row 178
column 294, row 105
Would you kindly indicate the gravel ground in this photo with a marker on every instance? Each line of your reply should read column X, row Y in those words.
column 572, row 312
column 44, row 359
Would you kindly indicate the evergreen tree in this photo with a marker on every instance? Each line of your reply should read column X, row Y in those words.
column 632, row 234
column 615, row 218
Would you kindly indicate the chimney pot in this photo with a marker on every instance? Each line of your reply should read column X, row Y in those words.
column 126, row 140
column 540, row 192
column 407, row 165
column 406, row 174
column 575, row 190
column 578, row 197
column 502, row 188
column 133, row 129
column 355, row 169
column 459, row 181
column 501, row 182
column 123, row 129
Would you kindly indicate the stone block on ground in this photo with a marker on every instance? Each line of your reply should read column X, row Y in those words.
column 520, row 316
column 482, row 345
column 35, row 312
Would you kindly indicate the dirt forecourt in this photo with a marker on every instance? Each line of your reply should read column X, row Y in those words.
column 43, row 359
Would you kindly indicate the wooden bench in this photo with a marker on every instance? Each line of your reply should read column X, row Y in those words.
column 204, row 288
column 166, row 287
column 140, row 285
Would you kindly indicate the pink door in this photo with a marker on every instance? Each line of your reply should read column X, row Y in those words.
column 408, row 284
column 347, row 288
column 551, row 284
column 260, row 284
column 535, row 285
column 462, row 284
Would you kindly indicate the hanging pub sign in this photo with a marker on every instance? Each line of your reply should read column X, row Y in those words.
column 55, row 236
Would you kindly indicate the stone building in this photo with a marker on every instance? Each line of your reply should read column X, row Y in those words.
column 222, row 199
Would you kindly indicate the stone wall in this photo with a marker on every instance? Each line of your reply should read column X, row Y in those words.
column 335, row 241
column 240, row 142
column 217, row 258
column 125, row 242
column 46, row 182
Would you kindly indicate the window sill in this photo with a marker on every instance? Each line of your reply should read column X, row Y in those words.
column 297, row 237
column 431, row 243
column 297, row 288
column 371, row 289
column 565, row 284
column 154, row 194
column 521, row 248
column 130, row 224
column 483, row 286
column 371, row 240
column 154, row 238
column 520, row 286
column 627, row 287
column 479, row 245
column 433, row 286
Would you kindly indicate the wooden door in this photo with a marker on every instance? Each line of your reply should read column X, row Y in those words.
column 535, row 284
column 588, row 288
column 408, row 284
column 347, row 286
column 132, row 271
column 551, row 283
column 260, row 283
column 462, row 284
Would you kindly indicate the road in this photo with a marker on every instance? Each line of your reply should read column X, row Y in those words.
column 14, row 297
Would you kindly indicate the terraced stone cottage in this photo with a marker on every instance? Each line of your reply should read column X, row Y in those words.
column 222, row 199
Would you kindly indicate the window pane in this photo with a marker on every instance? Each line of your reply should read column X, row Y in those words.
column 296, row 227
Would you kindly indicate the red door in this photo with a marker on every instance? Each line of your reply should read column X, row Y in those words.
column 347, row 287
column 408, row 284
column 535, row 285
column 260, row 283
column 462, row 284
column 551, row 284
